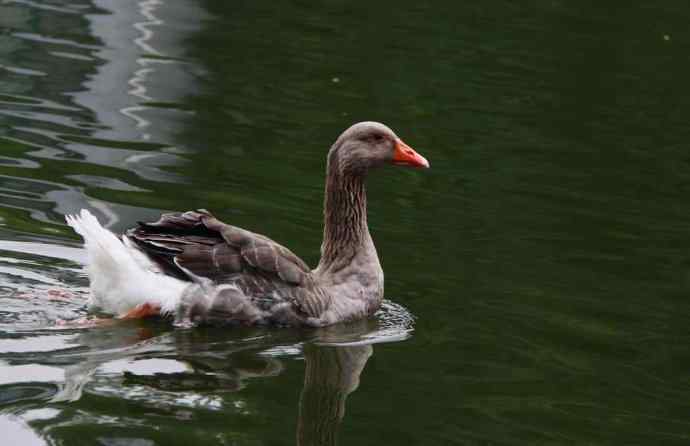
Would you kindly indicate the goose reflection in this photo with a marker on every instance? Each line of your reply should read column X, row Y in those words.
column 205, row 370
column 331, row 374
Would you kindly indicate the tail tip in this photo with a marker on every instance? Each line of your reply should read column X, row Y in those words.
column 82, row 220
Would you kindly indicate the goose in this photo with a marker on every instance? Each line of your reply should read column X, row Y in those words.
column 194, row 268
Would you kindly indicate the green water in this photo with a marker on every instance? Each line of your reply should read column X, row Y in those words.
column 544, row 258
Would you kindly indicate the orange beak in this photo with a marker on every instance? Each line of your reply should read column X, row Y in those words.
column 405, row 155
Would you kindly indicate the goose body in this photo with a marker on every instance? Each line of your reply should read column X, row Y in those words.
column 198, row 269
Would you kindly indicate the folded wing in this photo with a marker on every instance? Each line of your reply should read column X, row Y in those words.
column 198, row 243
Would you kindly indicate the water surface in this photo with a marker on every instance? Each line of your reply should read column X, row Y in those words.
column 537, row 275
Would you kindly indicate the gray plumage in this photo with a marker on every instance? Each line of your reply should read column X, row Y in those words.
column 248, row 278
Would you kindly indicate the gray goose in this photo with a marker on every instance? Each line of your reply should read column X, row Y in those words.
column 199, row 269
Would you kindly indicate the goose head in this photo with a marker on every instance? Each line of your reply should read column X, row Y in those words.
column 366, row 145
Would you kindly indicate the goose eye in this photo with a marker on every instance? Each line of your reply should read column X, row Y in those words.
column 372, row 138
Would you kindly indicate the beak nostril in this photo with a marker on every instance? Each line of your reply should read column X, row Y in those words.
column 406, row 156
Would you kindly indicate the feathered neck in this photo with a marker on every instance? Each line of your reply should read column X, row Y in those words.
column 345, row 230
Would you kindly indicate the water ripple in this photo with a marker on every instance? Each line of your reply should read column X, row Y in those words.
column 48, row 7
column 22, row 71
column 30, row 101
column 32, row 37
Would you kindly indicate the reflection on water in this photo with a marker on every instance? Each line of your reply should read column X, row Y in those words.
column 111, row 101
column 331, row 374
column 17, row 430
column 138, row 91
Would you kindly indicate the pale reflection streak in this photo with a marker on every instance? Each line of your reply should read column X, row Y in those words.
column 43, row 5
column 146, row 8
column 141, row 50
column 16, row 430
column 138, row 81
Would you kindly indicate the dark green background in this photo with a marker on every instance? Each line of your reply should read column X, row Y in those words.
column 545, row 255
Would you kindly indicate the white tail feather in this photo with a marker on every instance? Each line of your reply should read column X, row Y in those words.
column 121, row 276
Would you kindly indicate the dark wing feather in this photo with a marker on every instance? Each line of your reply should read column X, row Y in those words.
column 200, row 243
